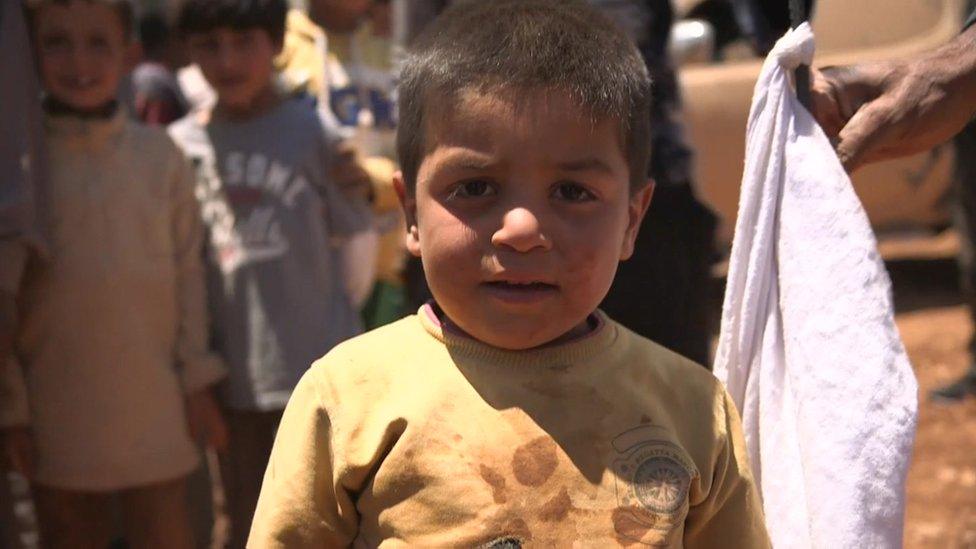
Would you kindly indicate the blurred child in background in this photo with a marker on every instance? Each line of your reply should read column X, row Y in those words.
column 112, row 325
column 360, row 91
column 156, row 95
column 290, row 245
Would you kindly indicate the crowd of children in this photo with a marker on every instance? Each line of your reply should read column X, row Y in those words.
column 231, row 247
column 192, row 275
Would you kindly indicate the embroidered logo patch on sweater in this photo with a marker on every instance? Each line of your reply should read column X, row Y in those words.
column 652, row 481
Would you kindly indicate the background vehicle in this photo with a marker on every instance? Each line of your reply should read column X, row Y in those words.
column 905, row 196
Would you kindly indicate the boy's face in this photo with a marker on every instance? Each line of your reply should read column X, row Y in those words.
column 341, row 16
column 239, row 64
column 82, row 52
column 521, row 214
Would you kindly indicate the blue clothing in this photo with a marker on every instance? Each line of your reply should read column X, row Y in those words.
column 277, row 290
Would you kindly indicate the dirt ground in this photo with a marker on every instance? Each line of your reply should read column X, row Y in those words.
column 936, row 327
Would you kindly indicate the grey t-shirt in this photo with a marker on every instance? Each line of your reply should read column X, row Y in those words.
column 276, row 290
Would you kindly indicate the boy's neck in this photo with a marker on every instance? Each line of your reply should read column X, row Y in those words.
column 262, row 103
column 55, row 107
column 589, row 325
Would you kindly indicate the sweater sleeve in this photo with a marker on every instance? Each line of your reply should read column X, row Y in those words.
column 731, row 515
column 13, row 262
column 303, row 502
column 199, row 367
column 13, row 395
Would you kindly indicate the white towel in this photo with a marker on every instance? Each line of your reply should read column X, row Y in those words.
column 809, row 349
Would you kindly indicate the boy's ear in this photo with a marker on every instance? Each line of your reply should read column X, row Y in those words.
column 409, row 204
column 639, row 202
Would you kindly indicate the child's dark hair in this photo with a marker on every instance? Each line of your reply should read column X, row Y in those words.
column 154, row 33
column 122, row 8
column 519, row 45
column 198, row 16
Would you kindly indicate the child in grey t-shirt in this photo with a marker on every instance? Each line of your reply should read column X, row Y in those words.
column 277, row 222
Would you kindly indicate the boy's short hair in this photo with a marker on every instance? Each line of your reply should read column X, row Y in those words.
column 512, row 46
column 122, row 8
column 199, row 16
column 154, row 31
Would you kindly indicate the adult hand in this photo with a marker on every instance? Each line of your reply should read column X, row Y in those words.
column 881, row 110
column 18, row 450
column 205, row 421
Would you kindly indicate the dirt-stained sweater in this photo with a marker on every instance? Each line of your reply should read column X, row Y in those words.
column 410, row 436
column 114, row 328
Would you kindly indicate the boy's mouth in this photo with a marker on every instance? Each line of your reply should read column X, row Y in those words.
column 229, row 81
column 520, row 292
column 79, row 83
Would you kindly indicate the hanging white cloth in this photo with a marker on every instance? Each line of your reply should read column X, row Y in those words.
column 809, row 349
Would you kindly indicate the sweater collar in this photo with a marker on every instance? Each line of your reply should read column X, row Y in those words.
column 557, row 356
column 55, row 107
column 84, row 130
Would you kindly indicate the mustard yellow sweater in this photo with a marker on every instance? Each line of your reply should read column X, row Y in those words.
column 409, row 436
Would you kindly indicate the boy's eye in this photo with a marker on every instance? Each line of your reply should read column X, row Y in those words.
column 244, row 40
column 572, row 192
column 205, row 44
column 98, row 43
column 54, row 44
column 472, row 189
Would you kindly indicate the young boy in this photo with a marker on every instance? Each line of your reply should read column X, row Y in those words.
column 510, row 411
column 112, row 334
column 155, row 97
column 268, row 174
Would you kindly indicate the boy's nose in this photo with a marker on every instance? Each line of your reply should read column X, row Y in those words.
column 521, row 231
column 226, row 57
column 81, row 59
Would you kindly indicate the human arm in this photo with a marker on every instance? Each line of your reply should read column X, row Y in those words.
column 15, row 435
column 887, row 109
column 359, row 249
column 731, row 513
column 302, row 502
column 358, row 254
column 13, row 262
column 18, row 448
column 200, row 369
column 346, row 191
column 205, row 420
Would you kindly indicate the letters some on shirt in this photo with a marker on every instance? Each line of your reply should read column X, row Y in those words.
column 240, row 205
